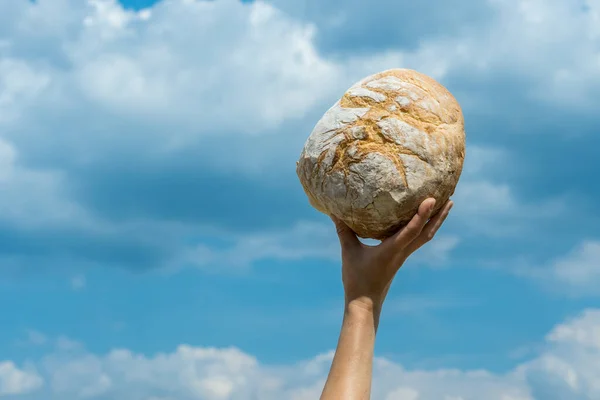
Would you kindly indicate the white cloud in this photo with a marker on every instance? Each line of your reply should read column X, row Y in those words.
column 33, row 198
column 579, row 270
column 36, row 338
column 566, row 368
column 19, row 85
column 576, row 274
column 403, row 393
column 583, row 331
column 262, row 69
column 15, row 381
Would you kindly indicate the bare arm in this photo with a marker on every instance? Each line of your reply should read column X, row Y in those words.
column 367, row 273
column 350, row 374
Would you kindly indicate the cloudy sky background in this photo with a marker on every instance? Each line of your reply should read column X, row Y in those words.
column 155, row 243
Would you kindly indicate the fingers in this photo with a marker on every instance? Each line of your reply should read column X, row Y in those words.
column 413, row 229
column 430, row 228
column 347, row 237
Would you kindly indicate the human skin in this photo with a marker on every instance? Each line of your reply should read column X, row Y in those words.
column 367, row 273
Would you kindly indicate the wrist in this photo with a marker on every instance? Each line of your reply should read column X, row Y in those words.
column 363, row 305
column 362, row 312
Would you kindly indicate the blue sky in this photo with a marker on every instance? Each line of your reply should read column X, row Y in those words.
column 155, row 242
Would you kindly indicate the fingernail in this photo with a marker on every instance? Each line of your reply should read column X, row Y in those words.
column 432, row 206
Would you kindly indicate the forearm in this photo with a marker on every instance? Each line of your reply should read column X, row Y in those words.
column 350, row 374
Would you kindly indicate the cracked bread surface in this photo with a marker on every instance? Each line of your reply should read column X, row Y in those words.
column 392, row 140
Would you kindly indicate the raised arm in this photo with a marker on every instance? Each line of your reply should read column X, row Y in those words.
column 367, row 273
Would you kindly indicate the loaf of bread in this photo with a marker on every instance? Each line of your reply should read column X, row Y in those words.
column 392, row 140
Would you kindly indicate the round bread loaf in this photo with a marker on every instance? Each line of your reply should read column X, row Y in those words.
column 392, row 140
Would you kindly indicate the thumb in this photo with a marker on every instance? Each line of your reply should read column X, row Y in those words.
column 347, row 237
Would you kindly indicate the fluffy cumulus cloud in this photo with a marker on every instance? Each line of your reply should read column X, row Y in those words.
column 579, row 269
column 575, row 274
column 167, row 136
column 565, row 368
column 16, row 381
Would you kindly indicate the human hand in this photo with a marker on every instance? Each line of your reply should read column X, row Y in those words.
column 368, row 271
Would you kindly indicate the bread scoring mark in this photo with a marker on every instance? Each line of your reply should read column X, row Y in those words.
column 359, row 91
column 388, row 83
column 408, row 137
column 415, row 169
column 335, row 118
